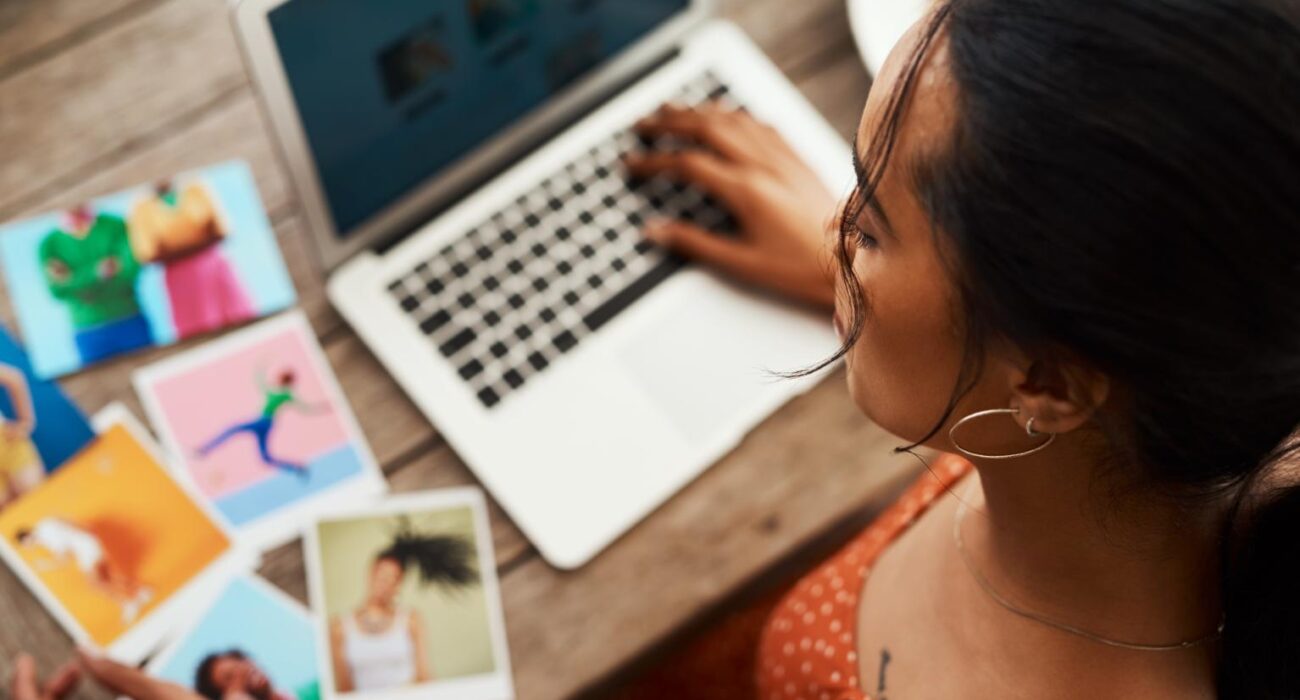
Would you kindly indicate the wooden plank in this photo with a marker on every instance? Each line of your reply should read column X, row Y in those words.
column 87, row 106
column 813, row 463
column 232, row 130
column 34, row 29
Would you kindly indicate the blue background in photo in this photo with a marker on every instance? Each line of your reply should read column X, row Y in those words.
column 279, row 638
column 61, row 428
column 272, row 493
column 250, row 247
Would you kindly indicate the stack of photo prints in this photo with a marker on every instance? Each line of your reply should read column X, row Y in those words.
column 146, row 550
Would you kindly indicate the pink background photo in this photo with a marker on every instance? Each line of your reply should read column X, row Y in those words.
column 206, row 399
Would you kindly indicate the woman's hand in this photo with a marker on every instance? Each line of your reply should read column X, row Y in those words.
column 784, row 211
column 114, row 677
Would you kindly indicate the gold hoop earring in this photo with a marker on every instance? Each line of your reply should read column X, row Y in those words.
column 1029, row 429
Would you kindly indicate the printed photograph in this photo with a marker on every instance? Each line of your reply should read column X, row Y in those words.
column 109, row 540
column 254, row 643
column 148, row 266
column 257, row 422
column 407, row 599
column 40, row 428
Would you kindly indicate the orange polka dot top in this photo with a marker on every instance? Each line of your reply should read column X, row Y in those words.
column 809, row 649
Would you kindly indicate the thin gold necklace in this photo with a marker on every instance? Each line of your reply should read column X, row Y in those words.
column 1043, row 619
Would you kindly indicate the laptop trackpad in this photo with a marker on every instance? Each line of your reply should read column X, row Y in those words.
column 701, row 362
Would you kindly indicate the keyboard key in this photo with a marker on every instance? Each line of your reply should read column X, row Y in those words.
column 499, row 350
column 471, row 369
column 565, row 341
column 458, row 342
column 513, row 378
column 538, row 361
column 489, row 397
column 410, row 304
column 434, row 322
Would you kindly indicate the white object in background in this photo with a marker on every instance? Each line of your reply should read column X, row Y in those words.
column 878, row 24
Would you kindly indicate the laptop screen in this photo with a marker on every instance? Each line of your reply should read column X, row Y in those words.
column 391, row 92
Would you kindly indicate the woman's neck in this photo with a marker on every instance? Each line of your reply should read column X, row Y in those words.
column 379, row 607
column 1051, row 534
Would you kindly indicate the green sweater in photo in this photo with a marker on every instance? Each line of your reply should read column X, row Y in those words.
column 94, row 274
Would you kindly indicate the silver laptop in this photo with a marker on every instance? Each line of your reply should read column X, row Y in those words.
column 459, row 166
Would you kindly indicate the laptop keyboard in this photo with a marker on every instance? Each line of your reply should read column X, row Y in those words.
column 524, row 287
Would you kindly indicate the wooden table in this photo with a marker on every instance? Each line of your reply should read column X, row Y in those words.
column 97, row 95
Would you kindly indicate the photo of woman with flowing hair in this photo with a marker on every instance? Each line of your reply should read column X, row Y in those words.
column 382, row 643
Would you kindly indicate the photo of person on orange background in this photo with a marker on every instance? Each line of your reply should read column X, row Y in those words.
column 109, row 538
column 68, row 544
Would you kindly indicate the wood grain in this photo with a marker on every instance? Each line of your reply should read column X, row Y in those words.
column 132, row 84
column 31, row 30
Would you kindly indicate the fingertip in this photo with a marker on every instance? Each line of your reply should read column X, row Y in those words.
column 657, row 230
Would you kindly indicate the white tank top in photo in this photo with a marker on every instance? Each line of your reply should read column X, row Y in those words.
column 62, row 538
column 383, row 660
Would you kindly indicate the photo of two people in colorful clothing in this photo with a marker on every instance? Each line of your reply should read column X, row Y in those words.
column 93, row 260
column 150, row 266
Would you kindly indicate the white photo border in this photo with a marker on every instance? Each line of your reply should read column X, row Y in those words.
column 497, row 685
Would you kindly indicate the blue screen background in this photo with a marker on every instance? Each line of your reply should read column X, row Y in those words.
column 494, row 61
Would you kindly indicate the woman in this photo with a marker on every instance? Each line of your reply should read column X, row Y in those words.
column 275, row 397
column 21, row 469
column 382, row 644
column 1073, row 256
column 183, row 231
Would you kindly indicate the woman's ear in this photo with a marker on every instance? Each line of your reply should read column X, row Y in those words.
column 1058, row 398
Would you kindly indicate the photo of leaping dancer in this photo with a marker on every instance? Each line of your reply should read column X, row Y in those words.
column 277, row 396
